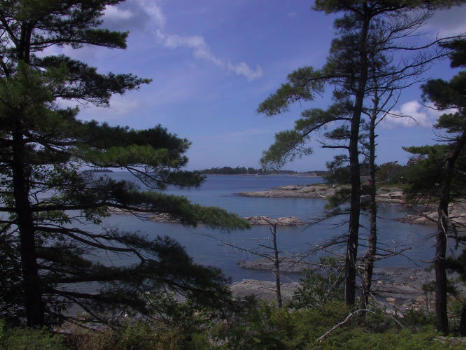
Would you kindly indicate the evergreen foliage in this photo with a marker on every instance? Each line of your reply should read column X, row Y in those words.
column 439, row 173
column 318, row 288
column 262, row 327
column 364, row 59
column 52, row 213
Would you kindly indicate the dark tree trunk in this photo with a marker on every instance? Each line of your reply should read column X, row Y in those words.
column 31, row 280
column 21, row 171
column 276, row 263
column 372, row 240
column 439, row 262
column 462, row 329
column 441, row 237
column 353, row 232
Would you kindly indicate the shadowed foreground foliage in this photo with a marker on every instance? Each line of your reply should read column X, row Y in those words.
column 307, row 322
column 251, row 328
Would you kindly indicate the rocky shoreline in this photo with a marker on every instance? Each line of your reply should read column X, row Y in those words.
column 287, row 265
column 396, row 289
column 324, row 191
column 262, row 290
column 428, row 215
column 425, row 215
column 422, row 215
column 283, row 221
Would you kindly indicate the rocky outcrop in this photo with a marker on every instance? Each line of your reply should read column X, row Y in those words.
column 397, row 289
column 287, row 264
column 118, row 211
column 385, row 195
column 457, row 213
column 324, row 191
column 164, row 218
column 263, row 290
column 283, row 221
column 321, row 191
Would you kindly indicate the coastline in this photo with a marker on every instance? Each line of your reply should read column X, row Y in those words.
column 424, row 215
column 396, row 289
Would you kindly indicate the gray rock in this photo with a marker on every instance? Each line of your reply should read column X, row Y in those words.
column 287, row 264
column 265, row 220
column 263, row 290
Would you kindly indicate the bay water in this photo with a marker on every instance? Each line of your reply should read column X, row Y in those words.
column 213, row 247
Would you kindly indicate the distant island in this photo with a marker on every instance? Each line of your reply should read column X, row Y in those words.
column 226, row 170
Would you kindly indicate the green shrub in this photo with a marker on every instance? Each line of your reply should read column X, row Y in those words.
column 360, row 339
column 319, row 287
column 29, row 339
column 142, row 336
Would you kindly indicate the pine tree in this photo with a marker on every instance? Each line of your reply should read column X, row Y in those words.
column 359, row 64
column 439, row 174
column 52, row 211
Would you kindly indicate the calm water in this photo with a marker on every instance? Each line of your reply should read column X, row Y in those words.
column 206, row 247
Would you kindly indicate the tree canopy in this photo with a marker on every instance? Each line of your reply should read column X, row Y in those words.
column 370, row 59
column 51, row 211
column 439, row 172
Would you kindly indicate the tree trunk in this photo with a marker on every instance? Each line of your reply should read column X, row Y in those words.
column 372, row 240
column 31, row 280
column 439, row 262
column 21, row 172
column 462, row 329
column 276, row 263
column 352, row 243
column 441, row 237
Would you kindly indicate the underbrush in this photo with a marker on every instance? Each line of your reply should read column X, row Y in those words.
column 255, row 326
column 316, row 318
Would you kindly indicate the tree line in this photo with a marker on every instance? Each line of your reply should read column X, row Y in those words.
column 226, row 170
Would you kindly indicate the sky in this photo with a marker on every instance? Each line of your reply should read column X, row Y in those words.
column 212, row 62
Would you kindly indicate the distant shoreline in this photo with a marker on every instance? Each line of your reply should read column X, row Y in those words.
column 242, row 170
column 294, row 175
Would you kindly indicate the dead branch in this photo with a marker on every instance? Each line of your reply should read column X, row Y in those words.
column 342, row 323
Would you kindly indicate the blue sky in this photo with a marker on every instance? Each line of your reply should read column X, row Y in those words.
column 213, row 61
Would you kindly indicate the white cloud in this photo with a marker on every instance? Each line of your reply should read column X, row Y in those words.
column 413, row 114
column 243, row 68
column 198, row 45
column 115, row 13
column 410, row 114
column 157, row 21
column 202, row 51
column 155, row 12
column 120, row 105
